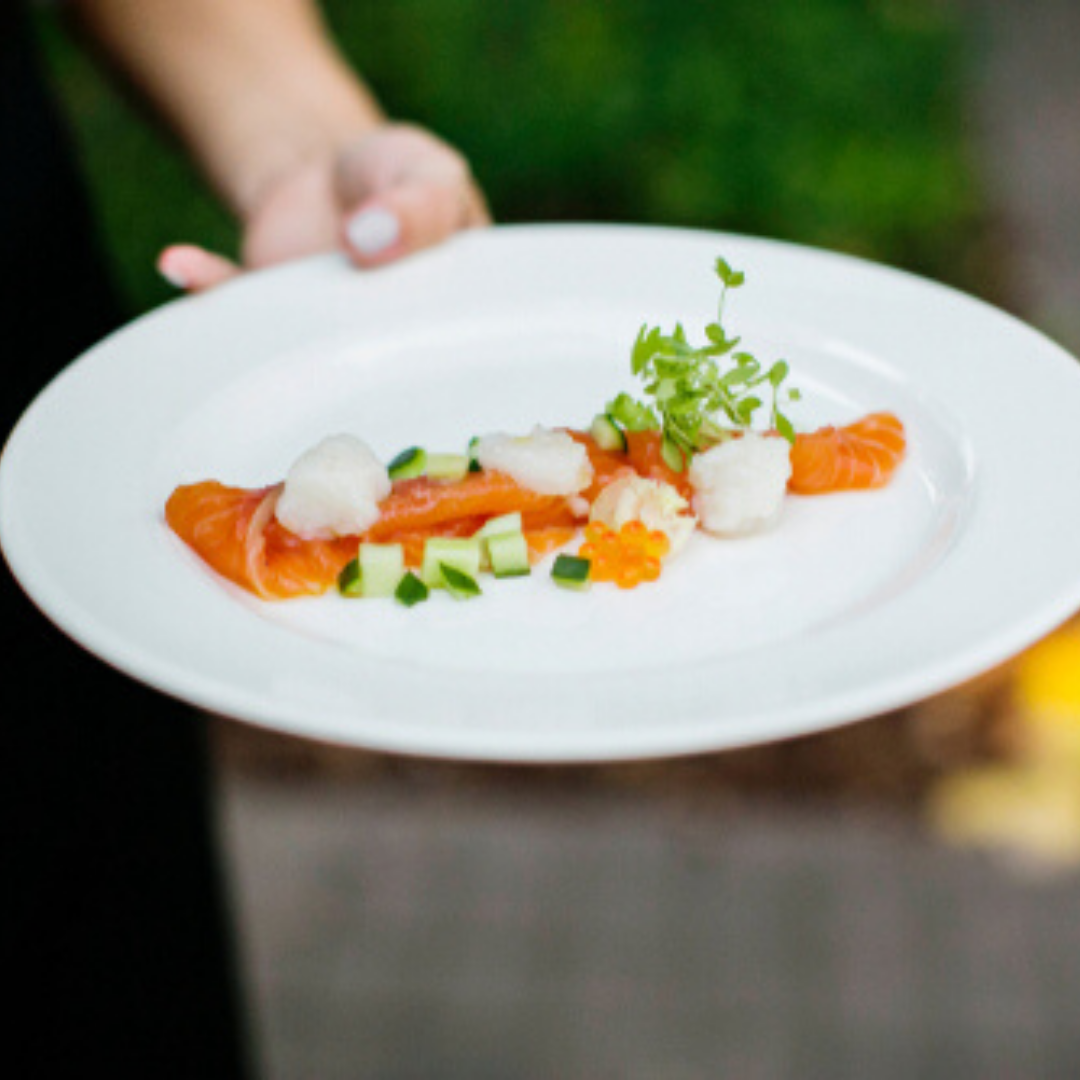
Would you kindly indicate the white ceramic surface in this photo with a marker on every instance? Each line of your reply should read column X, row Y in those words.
column 856, row 604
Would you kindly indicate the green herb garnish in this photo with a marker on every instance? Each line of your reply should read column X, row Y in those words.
column 693, row 390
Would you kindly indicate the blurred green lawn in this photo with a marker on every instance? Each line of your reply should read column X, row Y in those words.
column 829, row 122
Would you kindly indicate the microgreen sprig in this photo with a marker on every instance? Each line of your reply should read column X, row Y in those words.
column 693, row 390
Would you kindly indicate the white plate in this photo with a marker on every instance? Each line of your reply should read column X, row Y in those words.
column 856, row 604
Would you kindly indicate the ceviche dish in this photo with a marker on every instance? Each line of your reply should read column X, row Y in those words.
column 706, row 448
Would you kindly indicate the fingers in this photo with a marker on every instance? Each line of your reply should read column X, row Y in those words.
column 297, row 216
column 404, row 190
column 194, row 269
column 408, row 218
column 396, row 191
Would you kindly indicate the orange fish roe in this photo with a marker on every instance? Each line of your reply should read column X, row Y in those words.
column 627, row 557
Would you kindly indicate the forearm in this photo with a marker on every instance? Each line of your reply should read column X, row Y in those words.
column 254, row 87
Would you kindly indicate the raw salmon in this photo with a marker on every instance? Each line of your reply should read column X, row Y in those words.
column 643, row 452
column 421, row 504
column 234, row 530
column 607, row 464
column 862, row 455
column 642, row 455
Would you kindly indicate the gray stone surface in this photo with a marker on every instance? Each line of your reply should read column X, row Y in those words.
column 397, row 932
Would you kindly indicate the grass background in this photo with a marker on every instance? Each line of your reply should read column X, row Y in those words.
column 837, row 123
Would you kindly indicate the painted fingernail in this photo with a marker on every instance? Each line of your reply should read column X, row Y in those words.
column 373, row 231
column 170, row 268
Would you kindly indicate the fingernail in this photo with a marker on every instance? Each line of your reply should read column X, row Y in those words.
column 373, row 231
column 170, row 271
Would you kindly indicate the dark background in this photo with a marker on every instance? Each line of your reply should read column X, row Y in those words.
column 895, row 899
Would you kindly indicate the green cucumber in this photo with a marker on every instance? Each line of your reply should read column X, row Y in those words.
column 459, row 585
column 382, row 566
column 606, row 433
column 408, row 463
column 463, row 555
column 474, row 465
column 447, row 466
column 411, row 590
column 497, row 526
column 349, row 582
column 571, row 572
column 508, row 554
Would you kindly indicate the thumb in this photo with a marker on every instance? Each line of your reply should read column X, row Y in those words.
column 409, row 216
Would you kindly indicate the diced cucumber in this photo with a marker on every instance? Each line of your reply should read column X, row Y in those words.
column 463, row 555
column 348, row 582
column 408, row 463
column 411, row 590
column 571, row 572
column 606, row 433
column 508, row 554
column 447, row 466
column 474, row 465
column 508, row 523
column 497, row 526
column 382, row 566
column 459, row 585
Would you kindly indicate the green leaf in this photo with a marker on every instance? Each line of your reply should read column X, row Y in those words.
column 693, row 387
column 783, row 425
column 732, row 279
column 746, row 409
column 672, row 455
column 778, row 372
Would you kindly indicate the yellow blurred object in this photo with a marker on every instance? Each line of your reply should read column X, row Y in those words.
column 1048, row 675
column 1029, row 807
column 1030, row 810
column 1048, row 695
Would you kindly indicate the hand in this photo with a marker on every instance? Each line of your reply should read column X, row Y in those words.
column 392, row 192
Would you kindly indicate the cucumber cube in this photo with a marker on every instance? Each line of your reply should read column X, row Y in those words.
column 460, row 586
column 571, row 572
column 509, row 555
column 348, row 581
column 508, row 523
column 382, row 566
column 447, row 466
column 407, row 464
column 463, row 555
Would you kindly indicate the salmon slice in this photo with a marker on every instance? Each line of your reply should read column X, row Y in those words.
column 421, row 504
column 235, row 532
column 606, row 464
column 862, row 455
column 550, row 538
column 643, row 452
column 413, row 541
column 642, row 455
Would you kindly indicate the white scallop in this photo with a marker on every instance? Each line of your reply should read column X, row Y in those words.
column 333, row 489
column 739, row 486
column 545, row 461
